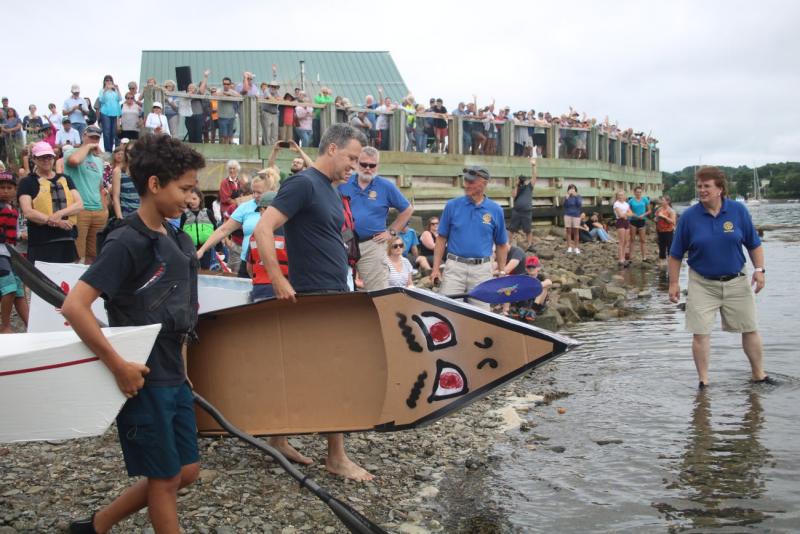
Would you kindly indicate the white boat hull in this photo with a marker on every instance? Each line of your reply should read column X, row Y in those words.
column 53, row 387
column 214, row 293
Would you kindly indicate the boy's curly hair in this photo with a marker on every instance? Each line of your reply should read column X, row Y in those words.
column 162, row 156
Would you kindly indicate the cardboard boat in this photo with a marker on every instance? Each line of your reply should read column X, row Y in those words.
column 388, row 360
column 213, row 293
column 53, row 387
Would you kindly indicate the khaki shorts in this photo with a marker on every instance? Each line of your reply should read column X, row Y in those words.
column 572, row 222
column 734, row 299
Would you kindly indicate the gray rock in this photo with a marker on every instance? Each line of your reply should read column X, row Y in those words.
column 558, row 448
column 612, row 441
column 583, row 294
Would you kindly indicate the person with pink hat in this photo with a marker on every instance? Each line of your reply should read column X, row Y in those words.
column 50, row 202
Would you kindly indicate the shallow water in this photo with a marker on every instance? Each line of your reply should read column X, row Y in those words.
column 724, row 459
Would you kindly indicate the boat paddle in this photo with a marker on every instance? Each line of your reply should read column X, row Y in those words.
column 45, row 288
column 500, row 290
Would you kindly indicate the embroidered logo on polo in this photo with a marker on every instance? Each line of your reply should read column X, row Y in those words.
column 487, row 218
column 438, row 331
column 727, row 226
column 373, row 195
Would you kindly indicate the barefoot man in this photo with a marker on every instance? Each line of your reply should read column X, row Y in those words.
column 309, row 208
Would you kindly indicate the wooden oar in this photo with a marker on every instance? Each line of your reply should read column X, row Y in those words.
column 352, row 519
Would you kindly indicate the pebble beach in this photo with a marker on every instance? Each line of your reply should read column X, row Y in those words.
column 44, row 485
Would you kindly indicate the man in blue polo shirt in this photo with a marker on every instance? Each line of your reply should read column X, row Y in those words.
column 468, row 228
column 713, row 232
column 371, row 196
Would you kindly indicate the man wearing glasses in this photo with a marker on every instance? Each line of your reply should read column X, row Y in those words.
column 371, row 196
column 226, row 110
column 468, row 228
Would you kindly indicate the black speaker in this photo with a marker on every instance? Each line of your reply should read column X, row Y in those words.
column 184, row 77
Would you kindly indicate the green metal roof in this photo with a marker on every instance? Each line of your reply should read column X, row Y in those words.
column 349, row 74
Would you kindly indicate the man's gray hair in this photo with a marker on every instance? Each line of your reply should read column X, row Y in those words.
column 372, row 152
column 340, row 134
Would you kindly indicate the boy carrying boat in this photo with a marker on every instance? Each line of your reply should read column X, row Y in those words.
column 147, row 273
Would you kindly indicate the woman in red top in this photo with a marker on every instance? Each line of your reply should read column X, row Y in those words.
column 287, row 116
column 665, row 228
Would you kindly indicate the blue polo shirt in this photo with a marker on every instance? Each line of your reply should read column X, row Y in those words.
column 371, row 204
column 715, row 243
column 472, row 230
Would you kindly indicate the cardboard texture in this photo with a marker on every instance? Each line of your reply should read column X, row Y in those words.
column 53, row 387
column 387, row 360
column 214, row 293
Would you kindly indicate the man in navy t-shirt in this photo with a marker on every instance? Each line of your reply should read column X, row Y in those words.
column 310, row 209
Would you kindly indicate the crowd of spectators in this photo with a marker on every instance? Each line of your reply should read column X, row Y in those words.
column 207, row 112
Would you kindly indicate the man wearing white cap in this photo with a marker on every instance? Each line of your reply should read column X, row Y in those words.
column 76, row 109
column 157, row 122
column 468, row 228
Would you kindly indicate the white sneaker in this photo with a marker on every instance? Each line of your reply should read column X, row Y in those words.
column 577, row 251
column 569, row 250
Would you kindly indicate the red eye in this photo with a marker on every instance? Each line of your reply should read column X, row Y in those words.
column 440, row 332
column 451, row 380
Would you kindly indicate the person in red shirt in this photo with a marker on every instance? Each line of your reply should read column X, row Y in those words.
column 262, row 285
column 11, row 288
column 229, row 187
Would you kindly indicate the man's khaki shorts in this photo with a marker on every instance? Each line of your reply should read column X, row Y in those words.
column 734, row 299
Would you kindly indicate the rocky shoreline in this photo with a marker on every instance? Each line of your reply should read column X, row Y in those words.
column 44, row 485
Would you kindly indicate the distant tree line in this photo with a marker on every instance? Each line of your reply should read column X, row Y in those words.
column 781, row 180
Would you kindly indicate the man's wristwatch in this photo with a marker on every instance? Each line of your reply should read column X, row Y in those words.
column 760, row 270
column 393, row 232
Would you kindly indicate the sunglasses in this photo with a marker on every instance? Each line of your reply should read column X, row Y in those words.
column 397, row 245
column 367, row 165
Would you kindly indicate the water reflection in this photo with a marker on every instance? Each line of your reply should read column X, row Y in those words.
column 720, row 469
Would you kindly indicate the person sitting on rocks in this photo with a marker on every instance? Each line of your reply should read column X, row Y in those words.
column 528, row 310
column 597, row 229
column 411, row 249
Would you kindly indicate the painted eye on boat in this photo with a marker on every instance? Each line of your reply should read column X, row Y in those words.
column 438, row 331
column 450, row 382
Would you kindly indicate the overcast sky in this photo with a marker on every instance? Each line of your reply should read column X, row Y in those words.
column 715, row 81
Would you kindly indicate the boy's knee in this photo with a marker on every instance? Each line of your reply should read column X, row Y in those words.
column 167, row 485
column 189, row 473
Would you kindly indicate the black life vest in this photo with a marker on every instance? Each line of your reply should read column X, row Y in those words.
column 167, row 295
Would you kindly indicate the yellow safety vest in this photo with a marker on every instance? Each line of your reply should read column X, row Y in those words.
column 44, row 201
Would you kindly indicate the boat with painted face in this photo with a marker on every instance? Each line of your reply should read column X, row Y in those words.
column 388, row 360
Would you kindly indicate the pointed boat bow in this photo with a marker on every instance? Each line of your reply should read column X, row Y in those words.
column 443, row 354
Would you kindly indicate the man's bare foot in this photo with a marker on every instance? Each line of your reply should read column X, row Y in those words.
column 348, row 469
column 282, row 444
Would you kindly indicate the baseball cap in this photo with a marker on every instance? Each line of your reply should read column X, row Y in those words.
column 6, row 176
column 473, row 172
column 532, row 261
column 93, row 131
column 75, row 88
column 157, row 104
column 266, row 199
column 66, row 119
column 273, row 83
column 42, row 148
